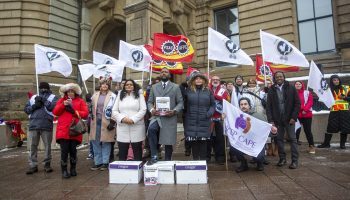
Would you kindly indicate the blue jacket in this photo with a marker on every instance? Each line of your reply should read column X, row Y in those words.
column 40, row 119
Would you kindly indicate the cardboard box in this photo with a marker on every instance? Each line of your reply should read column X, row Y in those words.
column 125, row 172
column 191, row 172
column 161, row 172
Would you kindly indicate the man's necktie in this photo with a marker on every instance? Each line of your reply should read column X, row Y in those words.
column 164, row 86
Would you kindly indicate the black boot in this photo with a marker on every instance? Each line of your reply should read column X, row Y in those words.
column 343, row 138
column 73, row 164
column 65, row 173
column 327, row 140
column 243, row 167
column 260, row 166
column 47, row 167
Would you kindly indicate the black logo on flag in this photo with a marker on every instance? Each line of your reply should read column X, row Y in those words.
column 51, row 56
column 137, row 56
column 284, row 49
column 265, row 70
column 182, row 48
column 323, row 85
column 171, row 64
column 168, row 47
column 108, row 61
column 232, row 48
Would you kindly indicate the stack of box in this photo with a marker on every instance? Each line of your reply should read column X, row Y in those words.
column 161, row 172
column 191, row 172
column 125, row 172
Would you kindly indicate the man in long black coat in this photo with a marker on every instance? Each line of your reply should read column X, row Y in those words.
column 282, row 110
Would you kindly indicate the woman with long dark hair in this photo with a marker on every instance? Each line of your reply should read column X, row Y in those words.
column 129, row 110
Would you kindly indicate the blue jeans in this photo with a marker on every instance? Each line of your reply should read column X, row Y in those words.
column 102, row 150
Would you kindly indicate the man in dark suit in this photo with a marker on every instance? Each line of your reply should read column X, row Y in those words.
column 164, row 122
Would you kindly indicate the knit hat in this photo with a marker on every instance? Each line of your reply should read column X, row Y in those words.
column 44, row 85
column 238, row 77
column 196, row 74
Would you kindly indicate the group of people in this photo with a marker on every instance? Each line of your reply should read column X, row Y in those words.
column 129, row 117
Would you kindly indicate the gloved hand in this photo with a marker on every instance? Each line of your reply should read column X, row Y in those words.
column 38, row 101
column 34, row 107
column 69, row 109
column 111, row 125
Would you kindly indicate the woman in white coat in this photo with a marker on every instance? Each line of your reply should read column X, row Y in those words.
column 129, row 110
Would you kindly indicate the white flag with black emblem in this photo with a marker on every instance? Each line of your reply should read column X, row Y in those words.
column 115, row 71
column 223, row 49
column 135, row 56
column 48, row 60
column 319, row 85
column 101, row 59
column 280, row 51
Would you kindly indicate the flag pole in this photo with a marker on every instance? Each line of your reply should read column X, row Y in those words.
column 37, row 81
column 87, row 92
column 208, row 69
column 150, row 75
column 93, row 83
column 226, row 151
column 142, row 78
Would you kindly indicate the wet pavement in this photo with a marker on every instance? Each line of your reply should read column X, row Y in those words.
column 325, row 175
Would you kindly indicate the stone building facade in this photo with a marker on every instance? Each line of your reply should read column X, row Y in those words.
column 78, row 27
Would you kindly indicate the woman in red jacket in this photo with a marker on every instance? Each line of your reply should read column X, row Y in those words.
column 305, row 114
column 69, row 107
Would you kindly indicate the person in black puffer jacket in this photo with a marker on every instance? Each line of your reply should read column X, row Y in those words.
column 200, row 104
column 39, row 109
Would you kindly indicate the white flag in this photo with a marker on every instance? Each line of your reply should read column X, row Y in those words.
column 86, row 71
column 234, row 98
column 135, row 56
column 223, row 49
column 115, row 71
column 280, row 51
column 100, row 58
column 320, row 86
column 48, row 60
column 245, row 133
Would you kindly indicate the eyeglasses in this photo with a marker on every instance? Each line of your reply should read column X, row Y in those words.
column 215, row 79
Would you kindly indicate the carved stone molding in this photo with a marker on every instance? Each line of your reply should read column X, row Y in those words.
column 106, row 4
column 177, row 7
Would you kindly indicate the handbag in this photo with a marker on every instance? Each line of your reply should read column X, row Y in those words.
column 77, row 128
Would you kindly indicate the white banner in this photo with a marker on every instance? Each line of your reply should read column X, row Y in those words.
column 48, row 60
column 223, row 49
column 135, row 56
column 320, row 86
column 245, row 133
column 280, row 51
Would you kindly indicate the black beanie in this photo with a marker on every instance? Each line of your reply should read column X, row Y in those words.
column 44, row 85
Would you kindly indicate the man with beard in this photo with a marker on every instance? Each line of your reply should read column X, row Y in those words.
column 218, row 137
column 164, row 122
column 245, row 106
column 282, row 109
column 39, row 108
column 339, row 117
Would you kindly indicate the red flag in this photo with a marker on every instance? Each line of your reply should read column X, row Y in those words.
column 158, row 65
column 172, row 48
column 270, row 69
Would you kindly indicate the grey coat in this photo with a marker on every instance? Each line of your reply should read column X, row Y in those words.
column 168, row 125
column 200, row 108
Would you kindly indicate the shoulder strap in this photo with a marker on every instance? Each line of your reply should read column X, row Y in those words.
column 249, row 92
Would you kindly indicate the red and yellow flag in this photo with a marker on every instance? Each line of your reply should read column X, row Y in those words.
column 171, row 48
column 270, row 68
column 158, row 65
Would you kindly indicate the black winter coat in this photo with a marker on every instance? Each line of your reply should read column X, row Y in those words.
column 39, row 119
column 200, row 107
column 291, row 104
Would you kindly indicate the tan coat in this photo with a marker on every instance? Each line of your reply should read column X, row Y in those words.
column 106, row 136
